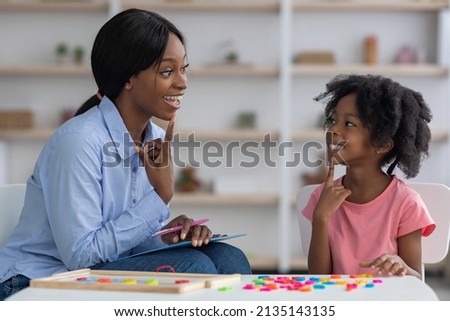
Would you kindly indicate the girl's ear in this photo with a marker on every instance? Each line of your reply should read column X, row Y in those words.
column 387, row 147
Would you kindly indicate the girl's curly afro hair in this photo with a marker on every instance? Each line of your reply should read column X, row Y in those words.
column 390, row 111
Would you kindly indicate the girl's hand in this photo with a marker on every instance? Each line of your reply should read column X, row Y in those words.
column 331, row 197
column 388, row 264
column 157, row 158
column 198, row 234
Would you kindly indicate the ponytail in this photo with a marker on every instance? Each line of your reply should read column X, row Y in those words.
column 88, row 104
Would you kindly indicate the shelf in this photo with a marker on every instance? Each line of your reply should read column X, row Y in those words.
column 407, row 70
column 55, row 6
column 45, row 70
column 227, row 135
column 207, row 199
column 73, row 70
column 437, row 136
column 315, row 134
column 253, row 6
column 368, row 6
column 199, row 6
column 26, row 134
column 237, row 70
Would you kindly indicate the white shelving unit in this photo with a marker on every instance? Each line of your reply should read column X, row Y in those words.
column 266, row 34
column 31, row 79
column 422, row 24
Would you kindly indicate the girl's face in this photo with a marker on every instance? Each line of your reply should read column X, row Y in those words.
column 349, row 140
column 158, row 90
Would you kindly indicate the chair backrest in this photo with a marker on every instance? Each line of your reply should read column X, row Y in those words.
column 305, row 225
column 436, row 198
column 11, row 202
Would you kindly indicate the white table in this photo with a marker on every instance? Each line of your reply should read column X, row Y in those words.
column 405, row 288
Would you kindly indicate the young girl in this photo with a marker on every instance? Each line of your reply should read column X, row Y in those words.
column 370, row 221
column 102, row 184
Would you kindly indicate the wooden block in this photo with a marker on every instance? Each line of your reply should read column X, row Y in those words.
column 20, row 118
column 223, row 280
column 313, row 57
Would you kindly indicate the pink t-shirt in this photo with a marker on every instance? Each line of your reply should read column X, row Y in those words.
column 362, row 232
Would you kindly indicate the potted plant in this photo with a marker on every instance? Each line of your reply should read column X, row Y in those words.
column 232, row 57
column 78, row 53
column 61, row 52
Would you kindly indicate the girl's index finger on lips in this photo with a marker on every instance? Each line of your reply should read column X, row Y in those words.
column 330, row 176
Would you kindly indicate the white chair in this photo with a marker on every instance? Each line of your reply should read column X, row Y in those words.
column 437, row 199
column 11, row 202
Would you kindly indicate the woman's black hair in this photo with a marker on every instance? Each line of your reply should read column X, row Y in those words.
column 390, row 111
column 128, row 43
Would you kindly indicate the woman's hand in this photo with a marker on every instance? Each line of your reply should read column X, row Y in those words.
column 198, row 234
column 157, row 158
column 387, row 264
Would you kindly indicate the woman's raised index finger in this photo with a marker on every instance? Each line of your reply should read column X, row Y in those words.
column 169, row 130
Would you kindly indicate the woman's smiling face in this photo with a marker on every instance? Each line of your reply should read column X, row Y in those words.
column 158, row 90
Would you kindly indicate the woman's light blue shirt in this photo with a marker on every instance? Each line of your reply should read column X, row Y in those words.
column 88, row 200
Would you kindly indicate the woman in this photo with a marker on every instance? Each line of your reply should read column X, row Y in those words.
column 102, row 184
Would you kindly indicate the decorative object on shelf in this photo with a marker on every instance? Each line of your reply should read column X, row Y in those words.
column 315, row 57
column 67, row 114
column 187, row 180
column 232, row 57
column 410, row 55
column 405, row 55
column 16, row 118
column 227, row 52
column 78, row 55
column 61, row 51
column 371, row 50
column 246, row 119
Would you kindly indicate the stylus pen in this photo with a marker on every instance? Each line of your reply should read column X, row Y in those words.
column 179, row 227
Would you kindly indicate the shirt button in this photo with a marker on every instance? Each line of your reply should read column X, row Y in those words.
column 134, row 169
column 134, row 201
